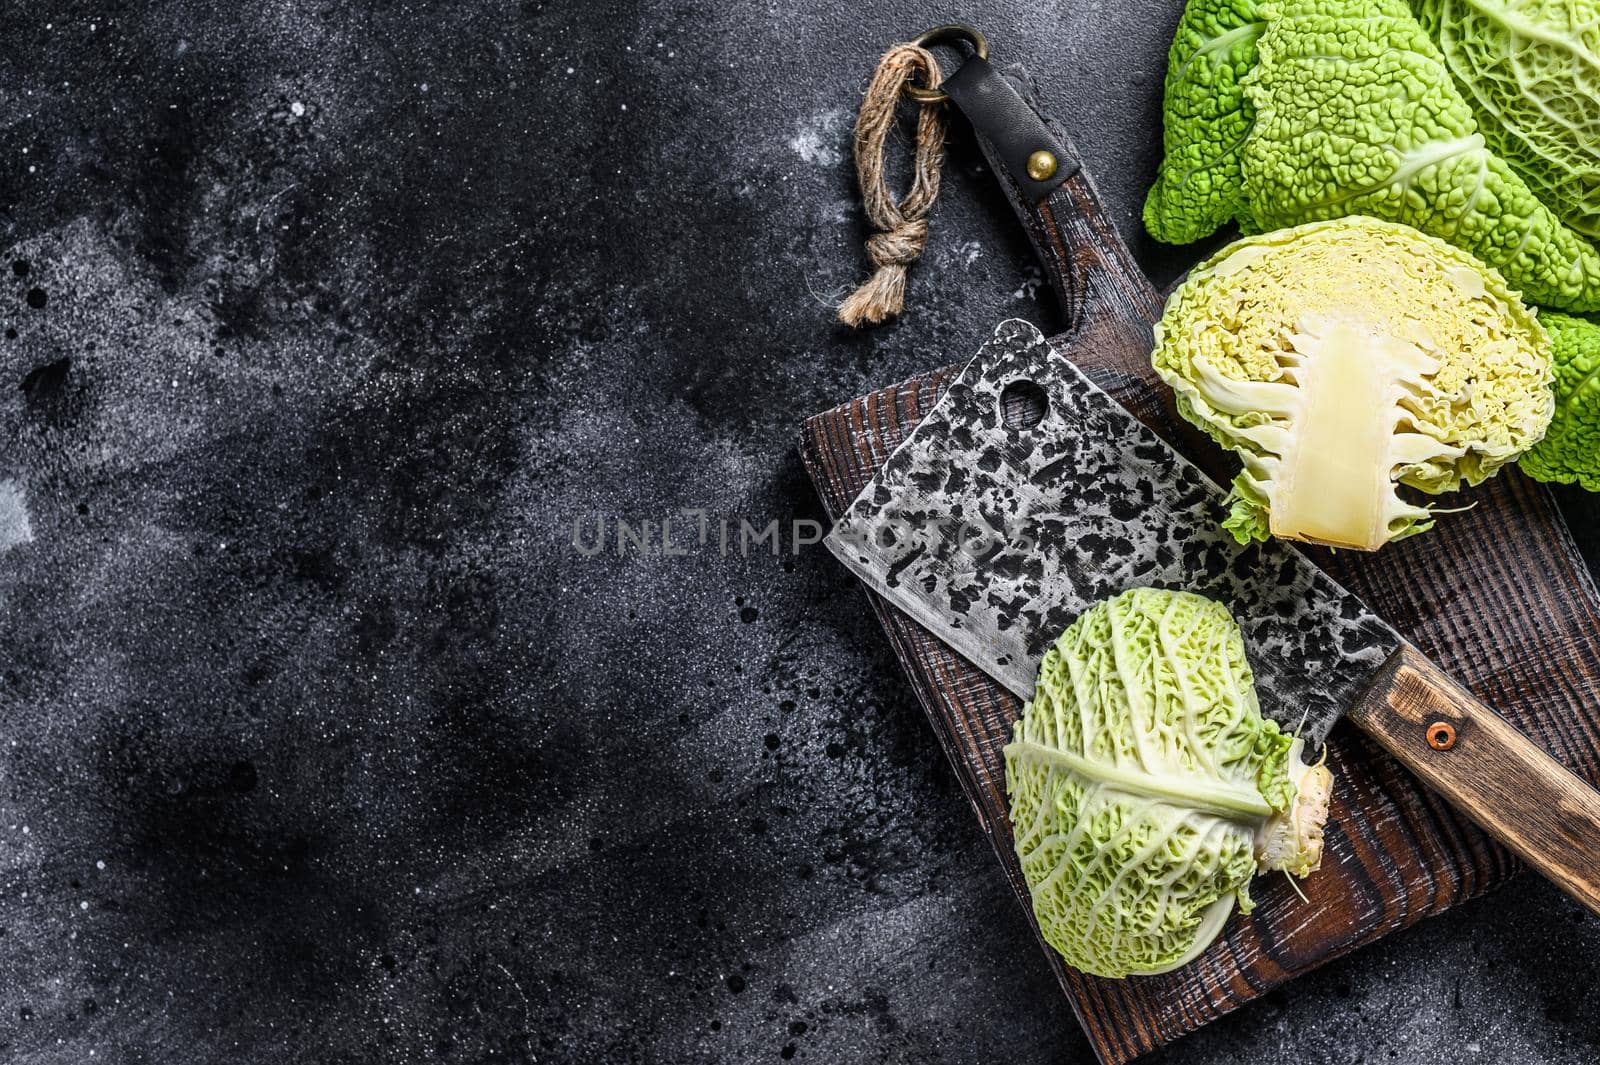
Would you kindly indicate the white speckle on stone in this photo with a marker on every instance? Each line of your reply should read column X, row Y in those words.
column 84, row 905
column 297, row 109
column 15, row 525
column 101, row 864
column 423, row 86
column 819, row 141
column 570, row 70
column 1031, row 281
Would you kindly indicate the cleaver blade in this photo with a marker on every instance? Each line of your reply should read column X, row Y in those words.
column 995, row 537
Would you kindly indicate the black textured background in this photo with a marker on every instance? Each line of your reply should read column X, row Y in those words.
column 323, row 324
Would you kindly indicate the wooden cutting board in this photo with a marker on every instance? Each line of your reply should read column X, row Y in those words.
column 1498, row 596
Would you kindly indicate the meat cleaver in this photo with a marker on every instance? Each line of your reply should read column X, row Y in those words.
column 1028, row 494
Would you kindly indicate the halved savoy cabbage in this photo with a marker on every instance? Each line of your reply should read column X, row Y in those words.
column 1146, row 788
column 1342, row 359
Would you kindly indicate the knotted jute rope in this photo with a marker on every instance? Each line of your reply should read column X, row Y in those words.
column 902, row 227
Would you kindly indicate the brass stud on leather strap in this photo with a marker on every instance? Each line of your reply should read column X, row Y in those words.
column 1441, row 735
column 1042, row 165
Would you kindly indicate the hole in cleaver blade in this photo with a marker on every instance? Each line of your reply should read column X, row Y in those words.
column 995, row 539
column 1023, row 405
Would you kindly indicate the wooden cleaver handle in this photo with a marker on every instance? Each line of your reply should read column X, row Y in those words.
column 1488, row 770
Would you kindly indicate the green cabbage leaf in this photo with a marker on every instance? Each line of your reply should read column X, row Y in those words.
column 1530, row 69
column 1570, row 450
column 1200, row 186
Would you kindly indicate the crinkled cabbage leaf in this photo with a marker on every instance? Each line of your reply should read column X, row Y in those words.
column 1530, row 69
column 1570, row 450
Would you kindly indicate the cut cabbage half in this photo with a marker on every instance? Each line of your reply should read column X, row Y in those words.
column 1147, row 789
column 1344, row 359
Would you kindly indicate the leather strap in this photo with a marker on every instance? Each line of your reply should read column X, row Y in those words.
column 1011, row 126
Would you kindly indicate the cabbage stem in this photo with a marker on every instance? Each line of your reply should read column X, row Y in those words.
column 1189, row 791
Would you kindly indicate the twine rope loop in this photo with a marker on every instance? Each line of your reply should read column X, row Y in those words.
column 902, row 225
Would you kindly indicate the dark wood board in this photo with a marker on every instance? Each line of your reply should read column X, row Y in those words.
column 1498, row 596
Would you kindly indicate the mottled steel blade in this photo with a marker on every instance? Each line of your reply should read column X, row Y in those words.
column 996, row 537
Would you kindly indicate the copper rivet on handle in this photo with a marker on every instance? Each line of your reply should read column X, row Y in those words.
column 1441, row 735
column 1042, row 165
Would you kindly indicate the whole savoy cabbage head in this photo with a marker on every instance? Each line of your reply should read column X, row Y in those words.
column 1146, row 788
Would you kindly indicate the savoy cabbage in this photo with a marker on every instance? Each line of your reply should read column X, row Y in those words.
column 1570, row 450
column 1146, row 788
column 1342, row 359
column 1287, row 111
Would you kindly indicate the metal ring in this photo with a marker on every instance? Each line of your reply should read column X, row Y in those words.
column 952, row 34
column 1441, row 735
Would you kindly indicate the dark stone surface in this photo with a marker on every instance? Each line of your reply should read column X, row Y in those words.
column 320, row 742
